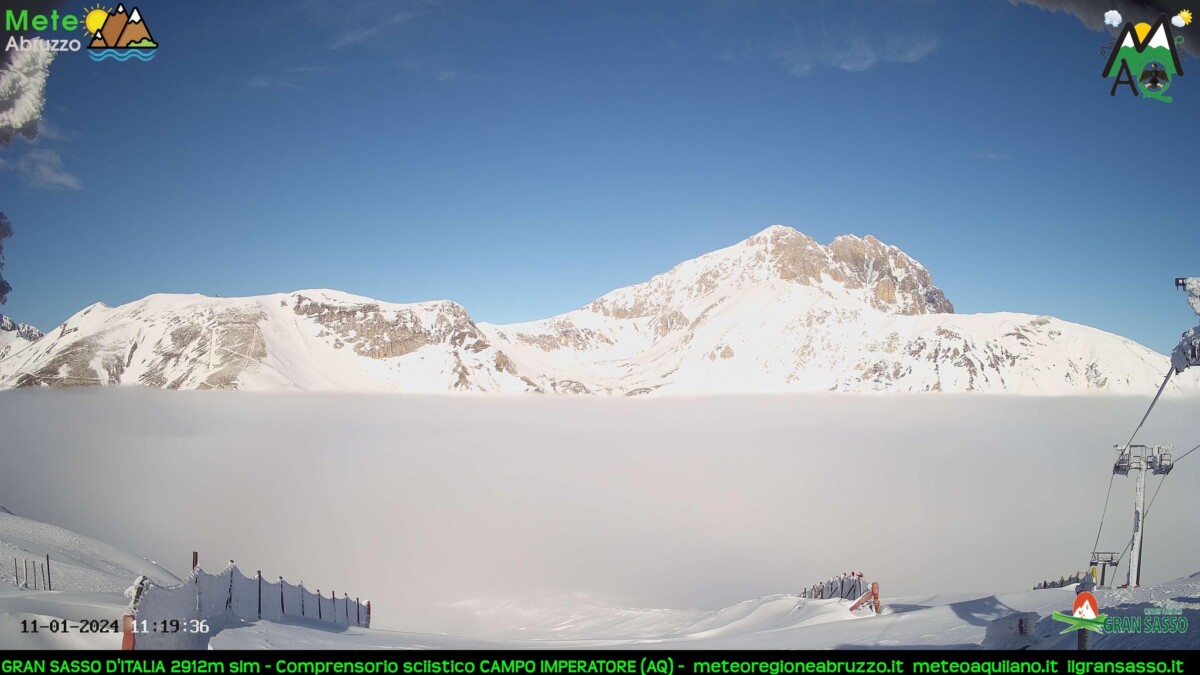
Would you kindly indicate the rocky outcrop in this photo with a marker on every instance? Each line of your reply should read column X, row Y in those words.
column 21, row 330
column 881, row 275
column 383, row 334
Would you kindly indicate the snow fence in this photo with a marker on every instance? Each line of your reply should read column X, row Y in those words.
column 849, row 586
column 175, row 617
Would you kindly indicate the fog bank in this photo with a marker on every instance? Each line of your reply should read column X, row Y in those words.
column 417, row 502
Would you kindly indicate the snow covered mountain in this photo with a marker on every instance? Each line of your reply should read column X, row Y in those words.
column 777, row 312
column 14, row 336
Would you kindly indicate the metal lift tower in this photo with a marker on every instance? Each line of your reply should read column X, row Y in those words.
column 1140, row 458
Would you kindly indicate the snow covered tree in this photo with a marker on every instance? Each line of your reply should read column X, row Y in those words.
column 5, row 232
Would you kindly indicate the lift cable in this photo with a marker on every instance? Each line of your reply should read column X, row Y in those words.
column 1152, row 497
column 1099, row 530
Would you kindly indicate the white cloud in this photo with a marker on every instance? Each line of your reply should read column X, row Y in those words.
column 263, row 82
column 1113, row 18
column 1178, row 21
column 291, row 78
column 984, row 155
column 363, row 33
column 23, row 93
column 43, row 169
column 856, row 53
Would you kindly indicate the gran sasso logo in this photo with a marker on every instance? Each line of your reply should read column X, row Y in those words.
column 1144, row 56
column 1085, row 614
column 115, row 33
column 1157, row 620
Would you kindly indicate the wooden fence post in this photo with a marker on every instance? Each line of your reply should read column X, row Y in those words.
column 195, row 559
column 16, row 574
column 357, row 612
column 282, row 609
column 260, row 594
column 319, row 604
column 26, row 563
column 49, row 586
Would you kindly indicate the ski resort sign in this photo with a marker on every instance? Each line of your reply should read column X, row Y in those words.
column 1145, row 57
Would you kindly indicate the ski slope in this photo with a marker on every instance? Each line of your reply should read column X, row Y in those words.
column 88, row 577
column 788, row 622
column 575, row 621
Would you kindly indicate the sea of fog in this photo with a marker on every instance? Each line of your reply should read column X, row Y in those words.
column 418, row 503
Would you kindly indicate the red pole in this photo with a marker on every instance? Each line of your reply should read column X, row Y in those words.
column 127, row 638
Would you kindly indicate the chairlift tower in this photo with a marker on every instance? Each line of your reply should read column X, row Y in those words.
column 1140, row 458
column 1104, row 560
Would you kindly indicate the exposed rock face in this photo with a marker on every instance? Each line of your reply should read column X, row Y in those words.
column 205, row 351
column 379, row 334
column 898, row 283
column 21, row 330
column 887, row 278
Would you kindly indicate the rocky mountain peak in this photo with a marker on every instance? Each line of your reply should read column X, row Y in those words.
column 877, row 274
column 889, row 279
column 22, row 330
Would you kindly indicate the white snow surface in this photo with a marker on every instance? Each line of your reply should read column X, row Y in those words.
column 88, row 577
column 777, row 313
column 781, row 622
column 1192, row 286
column 78, row 563
column 577, row 621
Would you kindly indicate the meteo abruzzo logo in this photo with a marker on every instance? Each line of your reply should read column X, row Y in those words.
column 1144, row 56
column 1086, row 615
column 120, row 36
column 115, row 33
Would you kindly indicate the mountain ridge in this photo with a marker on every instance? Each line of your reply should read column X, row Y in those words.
column 777, row 312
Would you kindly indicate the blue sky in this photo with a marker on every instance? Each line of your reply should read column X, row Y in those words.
column 523, row 158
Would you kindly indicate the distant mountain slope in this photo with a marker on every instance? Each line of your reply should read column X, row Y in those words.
column 777, row 312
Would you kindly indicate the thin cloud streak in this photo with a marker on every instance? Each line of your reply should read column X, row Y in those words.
column 854, row 54
column 43, row 170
